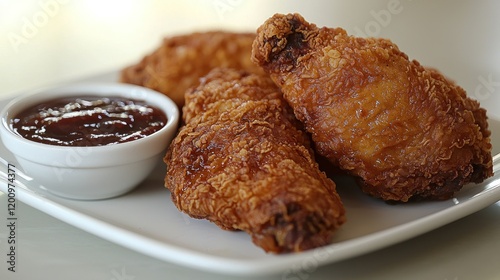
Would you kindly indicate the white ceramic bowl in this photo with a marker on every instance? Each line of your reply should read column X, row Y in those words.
column 95, row 172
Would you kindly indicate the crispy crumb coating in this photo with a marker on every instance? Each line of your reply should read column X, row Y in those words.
column 181, row 60
column 405, row 130
column 243, row 162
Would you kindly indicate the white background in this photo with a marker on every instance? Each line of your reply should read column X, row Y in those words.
column 44, row 42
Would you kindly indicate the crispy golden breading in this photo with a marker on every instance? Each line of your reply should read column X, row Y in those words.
column 243, row 162
column 406, row 131
column 181, row 60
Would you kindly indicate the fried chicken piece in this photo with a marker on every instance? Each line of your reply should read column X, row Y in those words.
column 243, row 162
column 181, row 60
column 406, row 131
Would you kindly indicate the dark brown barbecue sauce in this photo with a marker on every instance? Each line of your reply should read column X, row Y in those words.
column 88, row 121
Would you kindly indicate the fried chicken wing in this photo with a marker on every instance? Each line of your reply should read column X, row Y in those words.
column 243, row 162
column 181, row 60
column 405, row 131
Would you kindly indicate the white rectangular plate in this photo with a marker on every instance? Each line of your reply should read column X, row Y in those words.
column 145, row 220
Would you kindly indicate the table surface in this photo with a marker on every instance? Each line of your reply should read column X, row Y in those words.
column 51, row 41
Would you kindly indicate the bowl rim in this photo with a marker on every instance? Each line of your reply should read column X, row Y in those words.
column 111, row 154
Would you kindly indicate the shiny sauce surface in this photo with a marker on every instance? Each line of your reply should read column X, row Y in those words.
column 88, row 121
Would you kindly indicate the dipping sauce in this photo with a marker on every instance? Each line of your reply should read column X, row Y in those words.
column 88, row 121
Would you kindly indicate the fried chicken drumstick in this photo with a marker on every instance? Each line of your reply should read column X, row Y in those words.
column 181, row 60
column 406, row 131
column 243, row 162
